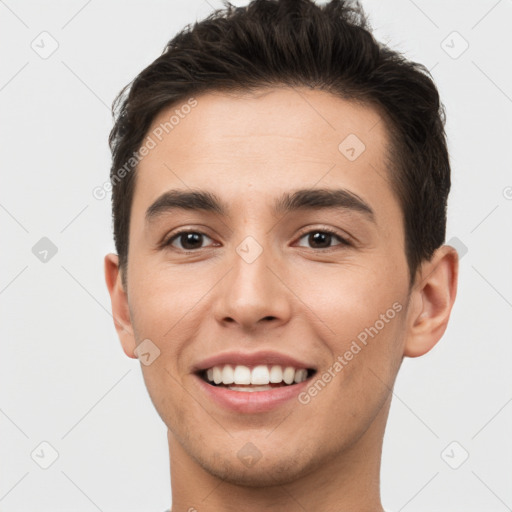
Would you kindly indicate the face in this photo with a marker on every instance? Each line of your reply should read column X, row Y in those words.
column 253, row 280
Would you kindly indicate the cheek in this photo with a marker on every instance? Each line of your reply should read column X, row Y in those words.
column 161, row 298
column 362, row 313
column 351, row 297
column 166, row 393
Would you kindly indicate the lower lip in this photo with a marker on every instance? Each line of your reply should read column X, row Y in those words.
column 251, row 402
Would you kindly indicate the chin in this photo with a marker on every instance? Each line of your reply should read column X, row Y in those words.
column 281, row 469
column 266, row 475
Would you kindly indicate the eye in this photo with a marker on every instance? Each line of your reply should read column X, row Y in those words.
column 317, row 238
column 323, row 238
column 189, row 240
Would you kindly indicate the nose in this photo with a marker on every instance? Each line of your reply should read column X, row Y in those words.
column 253, row 294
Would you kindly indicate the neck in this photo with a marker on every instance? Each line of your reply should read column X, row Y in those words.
column 349, row 481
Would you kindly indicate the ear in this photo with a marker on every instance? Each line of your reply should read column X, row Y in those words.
column 120, row 309
column 431, row 301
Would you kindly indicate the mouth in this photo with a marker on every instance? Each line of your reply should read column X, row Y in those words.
column 257, row 378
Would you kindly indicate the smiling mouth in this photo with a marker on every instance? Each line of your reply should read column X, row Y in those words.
column 257, row 378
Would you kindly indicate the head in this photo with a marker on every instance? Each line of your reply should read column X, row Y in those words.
column 267, row 126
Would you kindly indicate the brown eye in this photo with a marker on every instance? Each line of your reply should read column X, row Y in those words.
column 187, row 240
column 322, row 239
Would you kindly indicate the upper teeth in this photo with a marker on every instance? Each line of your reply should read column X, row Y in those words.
column 258, row 375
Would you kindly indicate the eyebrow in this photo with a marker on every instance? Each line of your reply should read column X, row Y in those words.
column 303, row 199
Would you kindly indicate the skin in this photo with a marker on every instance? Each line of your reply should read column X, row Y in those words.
column 295, row 298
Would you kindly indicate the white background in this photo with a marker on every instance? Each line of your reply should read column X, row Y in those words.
column 64, row 378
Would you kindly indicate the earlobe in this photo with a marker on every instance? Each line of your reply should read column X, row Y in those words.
column 431, row 301
column 120, row 308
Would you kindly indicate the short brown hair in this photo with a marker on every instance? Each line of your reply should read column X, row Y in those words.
column 297, row 43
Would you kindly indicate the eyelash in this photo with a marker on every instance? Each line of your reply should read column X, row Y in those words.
column 343, row 241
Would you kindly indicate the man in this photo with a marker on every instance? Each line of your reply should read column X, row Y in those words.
column 280, row 182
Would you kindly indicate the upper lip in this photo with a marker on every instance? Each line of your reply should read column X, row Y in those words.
column 251, row 359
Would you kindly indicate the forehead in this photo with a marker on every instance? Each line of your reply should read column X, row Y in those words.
column 279, row 117
column 273, row 139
